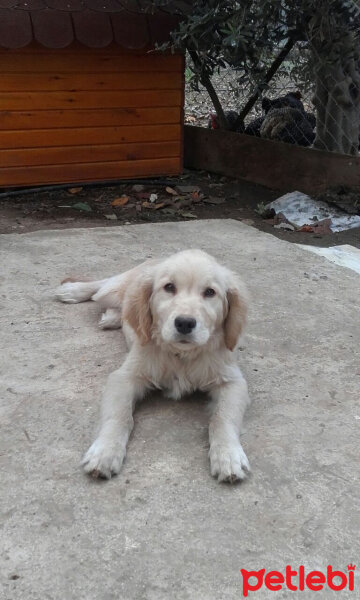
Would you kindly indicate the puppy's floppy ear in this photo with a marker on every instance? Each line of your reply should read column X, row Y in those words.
column 137, row 310
column 235, row 320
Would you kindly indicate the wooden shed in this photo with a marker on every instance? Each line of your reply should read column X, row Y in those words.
column 83, row 94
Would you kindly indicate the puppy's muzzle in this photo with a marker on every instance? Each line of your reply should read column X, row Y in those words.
column 185, row 324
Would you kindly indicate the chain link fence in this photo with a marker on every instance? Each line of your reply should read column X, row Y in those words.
column 293, row 105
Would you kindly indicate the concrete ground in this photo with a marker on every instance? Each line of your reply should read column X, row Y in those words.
column 164, row 529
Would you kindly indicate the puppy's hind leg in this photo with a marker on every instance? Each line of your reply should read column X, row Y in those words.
column 110, row 319
column 72, row 291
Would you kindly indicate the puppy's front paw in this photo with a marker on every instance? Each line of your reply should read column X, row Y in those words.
column 103, row 460
column 228, row 462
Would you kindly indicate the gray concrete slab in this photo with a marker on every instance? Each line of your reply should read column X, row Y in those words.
column 164, row 528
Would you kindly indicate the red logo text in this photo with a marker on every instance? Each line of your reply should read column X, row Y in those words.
column 298, row 580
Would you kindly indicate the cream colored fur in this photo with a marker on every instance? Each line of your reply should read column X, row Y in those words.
column 162, row 357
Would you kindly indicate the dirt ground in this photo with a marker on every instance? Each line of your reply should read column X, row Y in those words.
column 194, row 195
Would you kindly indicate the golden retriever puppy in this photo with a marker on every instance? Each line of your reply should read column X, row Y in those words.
column 182, row 318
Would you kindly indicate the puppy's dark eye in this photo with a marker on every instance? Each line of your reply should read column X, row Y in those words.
column 209, row 293
column 170, row 288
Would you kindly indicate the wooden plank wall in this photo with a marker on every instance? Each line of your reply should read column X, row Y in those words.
column 84, row 115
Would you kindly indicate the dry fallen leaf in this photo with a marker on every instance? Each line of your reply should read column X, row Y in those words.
column 74, row 190
column 214, row 200
column 188, row 189
column 183, row 202
column 120, row 201
column 188, row 215
column 171, row 191
column 138, row 187
column 153, row 205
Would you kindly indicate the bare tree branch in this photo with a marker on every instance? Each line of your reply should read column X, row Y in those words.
column 206, row 82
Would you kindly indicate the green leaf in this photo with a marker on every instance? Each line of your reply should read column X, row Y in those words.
column 82, row 206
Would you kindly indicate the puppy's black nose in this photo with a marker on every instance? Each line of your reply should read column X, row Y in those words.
column 185, row 325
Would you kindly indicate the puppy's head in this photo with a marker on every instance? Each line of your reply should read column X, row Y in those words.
column 186, row 301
